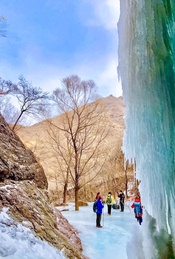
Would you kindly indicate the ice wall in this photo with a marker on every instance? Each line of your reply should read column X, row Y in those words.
column 147, row 71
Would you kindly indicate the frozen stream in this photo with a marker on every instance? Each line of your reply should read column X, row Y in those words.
column 109, row 242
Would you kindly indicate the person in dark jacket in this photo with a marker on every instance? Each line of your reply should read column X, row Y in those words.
column 122, row 200
column 100, row 207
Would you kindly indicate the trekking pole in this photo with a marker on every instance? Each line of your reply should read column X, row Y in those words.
column 103, row 219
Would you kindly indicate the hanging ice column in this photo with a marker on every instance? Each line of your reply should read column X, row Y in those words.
column 147, row 71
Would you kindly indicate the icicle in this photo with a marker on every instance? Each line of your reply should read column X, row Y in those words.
column 147, row 71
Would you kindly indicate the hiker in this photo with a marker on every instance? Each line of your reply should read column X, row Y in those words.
column 109, row 201
column 98, row 194
column 95, row 202
column 122, row 200
column 138, row 211
column 100, row 207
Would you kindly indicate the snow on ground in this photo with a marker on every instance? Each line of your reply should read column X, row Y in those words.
column 109, row 242
column 18, row 242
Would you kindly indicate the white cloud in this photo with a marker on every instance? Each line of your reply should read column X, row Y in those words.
column 47, row 71
column 108, row 79
column 106, row 13
column 48, row 76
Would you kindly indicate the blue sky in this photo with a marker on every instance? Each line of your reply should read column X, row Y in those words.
column 48, row 40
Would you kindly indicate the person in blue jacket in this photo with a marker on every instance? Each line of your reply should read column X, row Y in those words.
column 100, row 207
column 138, row 209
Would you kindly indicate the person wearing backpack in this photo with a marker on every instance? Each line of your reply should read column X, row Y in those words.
column 109, row 201
column 100, row 207
column 97, row 196
column 138, row 209
column 95, row 202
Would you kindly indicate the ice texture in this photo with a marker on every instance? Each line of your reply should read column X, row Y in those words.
column 18, row 242
column 147, row 72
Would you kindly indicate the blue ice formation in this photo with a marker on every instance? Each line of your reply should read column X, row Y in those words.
column 147, row 72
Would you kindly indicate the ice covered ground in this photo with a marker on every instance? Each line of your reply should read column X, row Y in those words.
column 110, row 242
column 18, row 242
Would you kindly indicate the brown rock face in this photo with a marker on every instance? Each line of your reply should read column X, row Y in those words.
column 23, row 189
column 17, row 162
column 30, row 206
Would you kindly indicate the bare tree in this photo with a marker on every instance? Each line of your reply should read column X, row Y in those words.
column 81, row 125
column 31, row 99
column 3, row 26
column 126, row 177
column 8, row 110
column 64, row 156
column 7, row 87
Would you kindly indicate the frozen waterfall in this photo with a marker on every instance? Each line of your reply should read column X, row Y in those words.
column 147, row 72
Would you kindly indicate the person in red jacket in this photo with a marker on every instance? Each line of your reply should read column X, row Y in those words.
column 138, row 209
column 97, row 196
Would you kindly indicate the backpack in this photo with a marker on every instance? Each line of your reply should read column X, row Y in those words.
column 95, row 206
column 109, row 200
column 137, row 209
column 115, row 206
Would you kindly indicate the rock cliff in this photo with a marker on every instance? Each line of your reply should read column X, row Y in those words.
column 23, row 189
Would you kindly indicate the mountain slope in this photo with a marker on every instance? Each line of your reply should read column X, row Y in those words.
column 37, row 139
